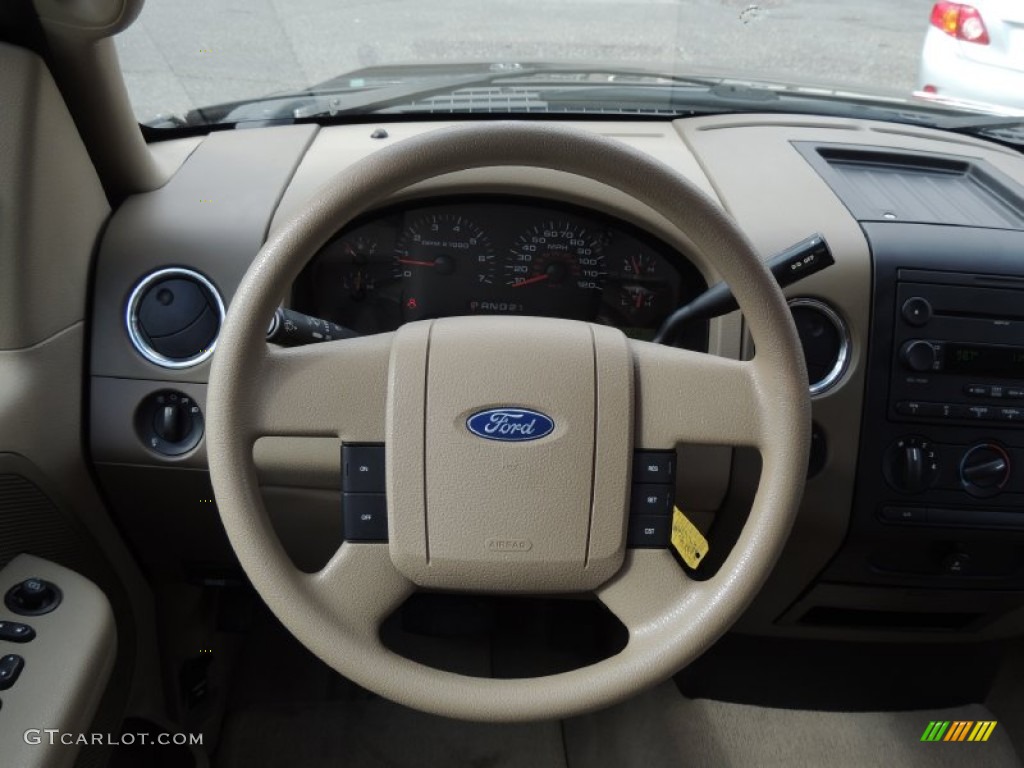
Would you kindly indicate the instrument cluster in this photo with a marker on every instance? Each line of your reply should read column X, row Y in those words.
column 495, row 255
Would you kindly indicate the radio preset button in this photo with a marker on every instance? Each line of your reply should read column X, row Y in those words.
column 976, row 390
column 1011, row 414
column 1015, row 394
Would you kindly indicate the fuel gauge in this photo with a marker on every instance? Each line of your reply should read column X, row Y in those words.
column 636, row 301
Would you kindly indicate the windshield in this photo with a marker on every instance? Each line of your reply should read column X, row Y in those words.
column 181, row 58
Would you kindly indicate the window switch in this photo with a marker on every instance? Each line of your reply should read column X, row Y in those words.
column 11, row 666
column 16, row 632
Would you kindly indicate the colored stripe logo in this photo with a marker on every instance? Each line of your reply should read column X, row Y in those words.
column 958, row 730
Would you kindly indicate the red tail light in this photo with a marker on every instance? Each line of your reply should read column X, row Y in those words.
column 960, row 21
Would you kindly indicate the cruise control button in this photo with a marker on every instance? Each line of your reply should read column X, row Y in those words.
column 365, row 516
column 362, row 467
column 654, row 467
column 648, row 531
column 16, row 632
column 11, row 666
column 651, row 499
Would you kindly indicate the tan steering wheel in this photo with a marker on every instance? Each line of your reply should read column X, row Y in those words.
column 544, row 516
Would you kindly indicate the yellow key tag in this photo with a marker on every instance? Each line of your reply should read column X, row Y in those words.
column 687, row 540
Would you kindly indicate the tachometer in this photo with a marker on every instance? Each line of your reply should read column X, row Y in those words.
column 445, row 244
column 557, row 254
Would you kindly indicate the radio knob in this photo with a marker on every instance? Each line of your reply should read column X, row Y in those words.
column 984, row 470
column 917, row 311
column 910, row 465
column 919, row 355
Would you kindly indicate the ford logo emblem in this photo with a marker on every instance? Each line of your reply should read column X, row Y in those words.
column 510, row 425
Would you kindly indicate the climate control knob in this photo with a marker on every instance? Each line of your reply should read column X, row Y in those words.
column 919, row 355
column 985, row 469
column 910, row 465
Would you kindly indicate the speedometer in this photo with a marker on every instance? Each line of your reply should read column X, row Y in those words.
column 556, row 254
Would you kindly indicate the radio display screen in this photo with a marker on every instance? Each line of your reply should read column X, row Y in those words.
column 984, row 360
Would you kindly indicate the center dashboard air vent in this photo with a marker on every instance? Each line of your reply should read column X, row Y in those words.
column 174, row 316
column 825, row 340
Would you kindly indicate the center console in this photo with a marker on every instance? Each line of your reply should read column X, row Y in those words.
column 940, row 493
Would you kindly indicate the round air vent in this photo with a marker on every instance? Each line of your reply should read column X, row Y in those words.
column 825, row 340
column 174, row 316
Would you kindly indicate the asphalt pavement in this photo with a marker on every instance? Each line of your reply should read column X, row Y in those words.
column 181, row 54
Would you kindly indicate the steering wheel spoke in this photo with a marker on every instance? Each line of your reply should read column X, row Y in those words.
column 649, row 590
column 359, row 587
column 334, row 388
column 692, row 397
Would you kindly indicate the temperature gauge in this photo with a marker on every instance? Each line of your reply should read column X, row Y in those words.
column 639, row 265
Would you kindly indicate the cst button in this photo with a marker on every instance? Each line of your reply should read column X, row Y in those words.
column 649, row 531
column 654, row 467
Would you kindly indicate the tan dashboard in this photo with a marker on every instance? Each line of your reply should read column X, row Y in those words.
column 234, row 187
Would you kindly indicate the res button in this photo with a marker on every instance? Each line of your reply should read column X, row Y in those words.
column 654, row 467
